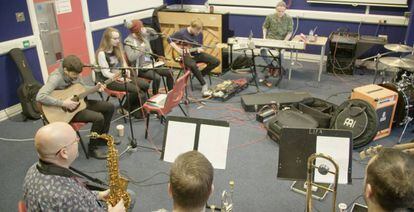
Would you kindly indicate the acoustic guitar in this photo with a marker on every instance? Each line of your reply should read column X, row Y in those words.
column 372, row 151
column 77, row 93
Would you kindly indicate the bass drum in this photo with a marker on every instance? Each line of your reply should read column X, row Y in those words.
column 405, row 104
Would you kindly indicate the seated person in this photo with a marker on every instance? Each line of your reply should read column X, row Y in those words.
column 191, row 182
column 389, row 183
column 193, row 34
column 111, row 54
column 98, row 112
column 50, row 185
column 278, row 26
column 136, row 44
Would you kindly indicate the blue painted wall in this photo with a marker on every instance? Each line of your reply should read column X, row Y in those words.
column 396, row 34
column 12, row 29
column 9, row 80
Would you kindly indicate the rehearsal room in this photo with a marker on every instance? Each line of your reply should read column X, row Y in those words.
column 207, row 105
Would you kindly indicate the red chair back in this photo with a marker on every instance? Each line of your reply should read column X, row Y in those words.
column 176, row 94
column 21, row 206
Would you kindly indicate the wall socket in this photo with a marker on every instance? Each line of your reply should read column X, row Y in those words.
column 20, row 17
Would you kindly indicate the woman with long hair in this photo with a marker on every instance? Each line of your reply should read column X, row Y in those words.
column 111, row 54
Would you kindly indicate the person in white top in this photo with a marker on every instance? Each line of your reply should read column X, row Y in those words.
column 111, row 54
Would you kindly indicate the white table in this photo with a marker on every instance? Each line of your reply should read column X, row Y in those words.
column 320, row 41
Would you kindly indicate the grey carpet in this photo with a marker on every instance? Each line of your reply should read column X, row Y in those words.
column 251, row 162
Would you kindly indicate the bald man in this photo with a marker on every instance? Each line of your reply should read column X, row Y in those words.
column 49, row 184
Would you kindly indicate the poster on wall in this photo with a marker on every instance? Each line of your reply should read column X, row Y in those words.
column 117, row 7
column 63, row 6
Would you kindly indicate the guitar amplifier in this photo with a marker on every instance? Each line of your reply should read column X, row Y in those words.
column 383, row 100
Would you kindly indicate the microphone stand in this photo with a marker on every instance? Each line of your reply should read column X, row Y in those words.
column 132, row 140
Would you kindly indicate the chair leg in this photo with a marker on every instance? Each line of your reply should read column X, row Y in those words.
column 147, row 125
column 165, row 84
column 120, row 105
column 101, row 95
column 209, row 78
column 107, row 98
column 83, row 145
column 191, row 84
column 185, row 114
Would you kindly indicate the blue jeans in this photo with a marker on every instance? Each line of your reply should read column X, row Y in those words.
column 264, row 53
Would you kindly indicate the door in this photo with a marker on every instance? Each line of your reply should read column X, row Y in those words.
column 62, row 31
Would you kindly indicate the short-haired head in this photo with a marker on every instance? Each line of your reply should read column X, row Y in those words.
column 389, row 180
column 191, row 180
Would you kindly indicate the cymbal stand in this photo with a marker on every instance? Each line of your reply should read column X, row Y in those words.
column 408, row 120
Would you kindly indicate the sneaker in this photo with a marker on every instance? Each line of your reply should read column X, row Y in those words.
column 267, row 83
column 207, row 93
column 121, row 111
column 99, row 154
column 204, row 88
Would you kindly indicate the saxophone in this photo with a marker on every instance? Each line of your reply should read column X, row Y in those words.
column 117, row 184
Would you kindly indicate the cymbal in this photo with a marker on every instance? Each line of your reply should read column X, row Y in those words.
column 397, row 62
column 410, row 56
column 398, row 48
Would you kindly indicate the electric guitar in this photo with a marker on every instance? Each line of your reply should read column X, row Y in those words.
column 372, row 151
column 189, row 49
column 77, row 93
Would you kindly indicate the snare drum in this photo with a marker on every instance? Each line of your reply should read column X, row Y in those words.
column 405, row 104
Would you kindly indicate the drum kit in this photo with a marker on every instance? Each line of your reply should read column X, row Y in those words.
column 402, row 82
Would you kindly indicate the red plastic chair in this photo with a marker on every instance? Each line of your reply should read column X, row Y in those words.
column 173, row 99
column 21, row 206
column 75, row 125
column 120, row 95
column 200, row 66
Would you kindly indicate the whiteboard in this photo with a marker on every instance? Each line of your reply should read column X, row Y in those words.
column 390, row 3
column 117, row 7
column 272, row 3
column 256, row 3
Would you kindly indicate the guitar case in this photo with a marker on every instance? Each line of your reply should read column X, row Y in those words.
column 29, row 86
column 321, row 110
column 291, row 118
column 359, row 117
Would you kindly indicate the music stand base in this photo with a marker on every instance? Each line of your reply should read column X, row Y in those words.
column 319, row 194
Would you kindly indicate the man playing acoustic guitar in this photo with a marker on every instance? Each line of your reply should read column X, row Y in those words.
column 98, row 112
column 193, row 34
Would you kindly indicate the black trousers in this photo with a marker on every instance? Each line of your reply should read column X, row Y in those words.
column 100, row 114
column 191, row 62
column 155, row 76
column 136, row 96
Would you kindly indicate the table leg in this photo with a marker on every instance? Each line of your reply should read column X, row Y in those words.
column 321, row 62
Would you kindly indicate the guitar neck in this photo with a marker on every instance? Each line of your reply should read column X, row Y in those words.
column 95, row 88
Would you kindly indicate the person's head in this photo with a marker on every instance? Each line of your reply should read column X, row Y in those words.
column 196, row 27
column 57, row 143
column 136, row 27
column 191, row 181
column 280, row 9
column 389, row 181
column 72, row 66
column 111, row 41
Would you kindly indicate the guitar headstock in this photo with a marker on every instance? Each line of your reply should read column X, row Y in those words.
column 370, row 152
column 222, row 45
